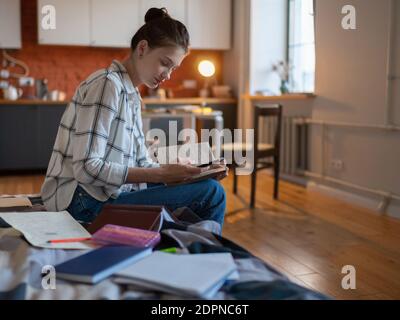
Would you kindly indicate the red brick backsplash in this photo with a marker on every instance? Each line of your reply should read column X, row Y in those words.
column 66, row 66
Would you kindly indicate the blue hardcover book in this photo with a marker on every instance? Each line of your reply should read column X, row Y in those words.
column 99, row 264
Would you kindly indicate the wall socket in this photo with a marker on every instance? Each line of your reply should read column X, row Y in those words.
column 337, row 164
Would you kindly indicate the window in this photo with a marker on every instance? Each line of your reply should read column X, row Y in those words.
column 301, row 46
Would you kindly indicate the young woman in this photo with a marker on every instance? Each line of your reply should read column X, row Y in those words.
column 100, row 155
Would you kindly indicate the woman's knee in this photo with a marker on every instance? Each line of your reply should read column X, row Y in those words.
column 216, row 189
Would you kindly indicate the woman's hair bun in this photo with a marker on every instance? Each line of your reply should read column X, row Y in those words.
column 156, row 13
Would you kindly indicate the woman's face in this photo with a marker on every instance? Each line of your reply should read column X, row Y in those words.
column 156, row 65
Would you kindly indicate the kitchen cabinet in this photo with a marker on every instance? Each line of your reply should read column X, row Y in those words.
column 176, row 8
column 72, row 19
column 18, row 137
column 27, row 135
column 10, row 24
column 114, row 23
column 209, row 23
column 28, row 129
column 229, row 110
column 161, row 121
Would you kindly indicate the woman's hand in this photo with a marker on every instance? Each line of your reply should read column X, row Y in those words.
column 169, row 173
column 183, row 160
column 221, row 164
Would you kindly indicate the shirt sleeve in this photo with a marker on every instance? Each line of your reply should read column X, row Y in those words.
column 98, row 107
column 144, row 160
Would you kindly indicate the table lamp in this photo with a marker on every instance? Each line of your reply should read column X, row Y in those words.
column 207, row 70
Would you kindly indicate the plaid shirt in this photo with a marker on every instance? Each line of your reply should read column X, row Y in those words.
column 100, row 136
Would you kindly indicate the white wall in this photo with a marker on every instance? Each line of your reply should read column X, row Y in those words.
column 396, row 66
column 351, row 64
column 236, row 61
column 235, row 73
column 351, row 87
column 258, row 41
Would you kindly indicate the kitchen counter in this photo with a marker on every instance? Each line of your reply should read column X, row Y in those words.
column 290, row 96
column 41, row 119
column 31, row 102
column 195, row 100
column 171, row 101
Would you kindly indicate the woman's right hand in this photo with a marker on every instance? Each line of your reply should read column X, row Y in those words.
column 170, row 173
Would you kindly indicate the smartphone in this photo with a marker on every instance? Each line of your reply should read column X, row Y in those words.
column 205, row 165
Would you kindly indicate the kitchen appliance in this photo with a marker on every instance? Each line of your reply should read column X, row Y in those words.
column 12, row 93
column 56, row 95
column 41, row 88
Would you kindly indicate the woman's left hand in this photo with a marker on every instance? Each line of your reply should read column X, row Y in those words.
column 221, row 164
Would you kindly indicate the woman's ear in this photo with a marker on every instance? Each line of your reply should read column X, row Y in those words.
column 142, row 47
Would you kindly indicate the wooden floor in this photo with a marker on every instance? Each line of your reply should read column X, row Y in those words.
column 305, row 235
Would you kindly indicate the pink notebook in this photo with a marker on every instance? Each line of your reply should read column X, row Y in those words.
column 113, row 234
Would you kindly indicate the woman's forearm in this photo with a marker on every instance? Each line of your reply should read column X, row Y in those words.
column 164, row 174
column 139, row 175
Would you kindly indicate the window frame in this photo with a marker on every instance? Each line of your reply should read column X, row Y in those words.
column 287, row 53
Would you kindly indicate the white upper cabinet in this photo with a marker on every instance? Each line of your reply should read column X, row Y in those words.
column 113, row 23
column 10, row 24
column 209, row 23
column 176, row 8
column 72, row 22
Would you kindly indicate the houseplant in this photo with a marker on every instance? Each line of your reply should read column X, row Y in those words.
column 282, row 68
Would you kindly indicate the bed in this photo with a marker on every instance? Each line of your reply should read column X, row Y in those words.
column 23, row 268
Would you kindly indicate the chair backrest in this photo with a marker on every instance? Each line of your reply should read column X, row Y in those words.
column 269, row 110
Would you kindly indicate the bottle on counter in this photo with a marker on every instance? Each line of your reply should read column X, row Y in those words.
column 42, row 90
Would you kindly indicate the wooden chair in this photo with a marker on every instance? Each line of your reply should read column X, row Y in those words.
column 263, row 152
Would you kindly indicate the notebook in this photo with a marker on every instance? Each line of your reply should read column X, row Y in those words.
column 134, row 216
column 99, row 264
column 40, row 227
column 14, row 203
column 189, row 275
column 112, row 234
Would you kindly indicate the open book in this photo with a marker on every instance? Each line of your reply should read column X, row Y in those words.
column 199, row 154
column 196, row 153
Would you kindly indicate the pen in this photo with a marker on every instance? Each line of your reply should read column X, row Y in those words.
column 68, row 240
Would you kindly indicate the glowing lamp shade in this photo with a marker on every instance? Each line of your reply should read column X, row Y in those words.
column 206, row 68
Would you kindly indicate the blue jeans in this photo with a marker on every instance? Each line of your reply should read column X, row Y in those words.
column 205, row 198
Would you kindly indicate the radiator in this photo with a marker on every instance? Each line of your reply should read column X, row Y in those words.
column 294, row 142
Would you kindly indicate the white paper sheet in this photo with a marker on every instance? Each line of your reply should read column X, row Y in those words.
column 40, row 227
column 197, row 153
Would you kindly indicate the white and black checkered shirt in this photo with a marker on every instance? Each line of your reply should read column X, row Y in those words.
column 100, row 136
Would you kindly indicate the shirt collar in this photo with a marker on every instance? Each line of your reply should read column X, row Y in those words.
column 123, row 74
